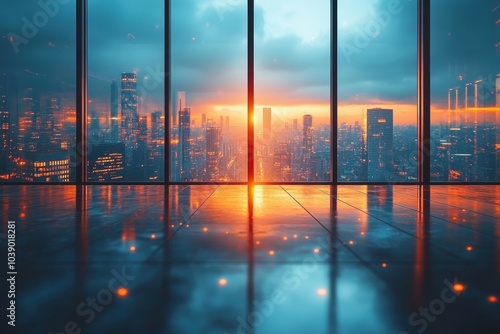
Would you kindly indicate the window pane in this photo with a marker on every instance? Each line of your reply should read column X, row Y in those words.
column 377, row 66
column 209, row 85
column 37, row 91
column 126, row 91
column 465, row 91
column 292, row 90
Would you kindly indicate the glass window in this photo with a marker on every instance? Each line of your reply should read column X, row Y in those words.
column 37, row 90
column 126, row 91
column 292, row 91
column 465, row 94
column 377, row 91
column 208, row 134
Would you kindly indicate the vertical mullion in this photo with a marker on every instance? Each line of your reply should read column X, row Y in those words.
column 333, row 90
column 250, row 90
column 424, row 96
column 167, row 93
column 81, row 92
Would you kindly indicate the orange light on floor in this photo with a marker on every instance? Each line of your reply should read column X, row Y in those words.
column 493, row 299
column 322, row 292
column 271, row 253
column 384, row 265
column 469, row 248
column 187, row 225
column 205, row 229
column 362, row 233
column 459, row 287
column 351, row 242
column 153, row 236
column 227, row 232
column 132, row 248
column 172, row 226
column 222, row 282
column 307, row 237
column 257, row 242
column 285, row 238
column 316, row 250
column 295, row 236
column 122, row 292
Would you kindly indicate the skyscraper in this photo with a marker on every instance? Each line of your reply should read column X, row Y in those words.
column 213, row 151
column 203, row 120
column 27, row 134
column 378, row 144
column 5, row 144
column 185, row 143
column 266, row 122
column 129, row 113
column 106, row 162
column 282, row 163
column 114, row 138
column 180, row 103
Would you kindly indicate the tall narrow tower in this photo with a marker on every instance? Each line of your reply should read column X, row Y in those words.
column 114, row 138
column 379, row 144
column 130, row 114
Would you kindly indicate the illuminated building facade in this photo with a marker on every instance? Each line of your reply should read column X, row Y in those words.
column 379, row 144
column 106, row 162
column 129, row 112
column 213, row 149
column 52, row 166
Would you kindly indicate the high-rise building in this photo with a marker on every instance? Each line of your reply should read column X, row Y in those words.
column 105, row 162
column 307, row 149
column 50, row 166
column 226, row 124
column 203, row 120
column 266, row 123
column 27, row 134
column 157, row 126
column 295, row 125
column 213, row 151
column 180, row 103
column 185, row 143
column 129, row 113
column 282, row 163
column 114, row 137
column 5, row 144
column 378, row 146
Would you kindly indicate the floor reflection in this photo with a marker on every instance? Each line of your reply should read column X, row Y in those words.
column 262, row 259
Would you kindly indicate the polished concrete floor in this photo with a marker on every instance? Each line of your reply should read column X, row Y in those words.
column 263, row 260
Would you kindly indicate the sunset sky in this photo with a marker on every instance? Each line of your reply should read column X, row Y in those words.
column 292, row 53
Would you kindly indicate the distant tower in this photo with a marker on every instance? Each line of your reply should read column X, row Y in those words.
column 185, row 143
column 307, row 131
column 267, row 123
column 5, row 145
column 226, row 125
column 203, row 120
column 213, row 152
column 157, row 126
column 27, row 134
column 180, row 103
column 308, row 152
column 114, row 113
column 379, row 144
column 130, row 114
